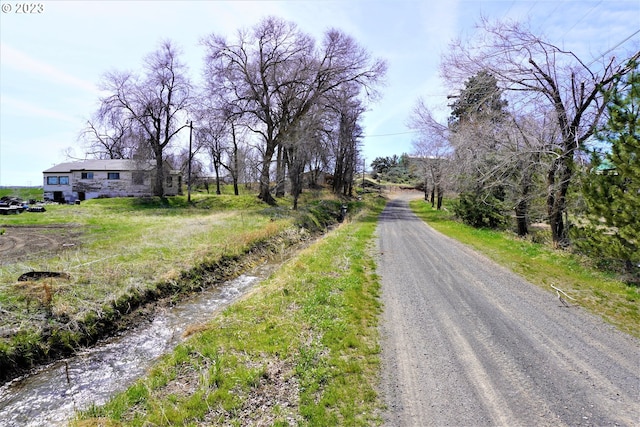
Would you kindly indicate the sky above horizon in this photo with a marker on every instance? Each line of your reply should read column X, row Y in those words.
column 52, row 60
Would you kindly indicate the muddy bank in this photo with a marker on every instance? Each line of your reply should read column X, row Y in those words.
column 61, row 337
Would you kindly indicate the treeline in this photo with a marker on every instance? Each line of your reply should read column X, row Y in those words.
column 396, row 169
column 275, row 106
column 535, row 134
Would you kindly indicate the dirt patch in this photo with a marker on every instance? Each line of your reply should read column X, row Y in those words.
column 274, row 398
column 21, row 243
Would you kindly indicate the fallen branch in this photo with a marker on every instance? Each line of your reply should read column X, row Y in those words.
column 558, row 291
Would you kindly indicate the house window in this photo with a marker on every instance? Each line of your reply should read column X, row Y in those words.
column 64, row 180
column 87, row 175
column 113, row 175
column 52, row 180
column 169, row 181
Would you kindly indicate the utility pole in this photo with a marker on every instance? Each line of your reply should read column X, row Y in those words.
column 189, row 166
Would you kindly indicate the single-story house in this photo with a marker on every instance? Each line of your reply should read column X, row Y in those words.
column 89, row 179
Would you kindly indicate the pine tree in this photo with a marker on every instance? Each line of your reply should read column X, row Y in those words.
column 475, row 118
column 481, row 99
column 612, row 188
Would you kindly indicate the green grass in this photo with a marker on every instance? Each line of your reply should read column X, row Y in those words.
column 126, row 251
column 125, row 243
column 25, row 193
column 597, row 291
column 302, row 349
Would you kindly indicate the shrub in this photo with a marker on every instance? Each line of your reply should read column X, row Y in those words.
column 479, row 211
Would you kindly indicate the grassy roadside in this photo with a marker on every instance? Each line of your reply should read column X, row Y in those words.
column 302, row 349
column 127, row 252
column 613, row 300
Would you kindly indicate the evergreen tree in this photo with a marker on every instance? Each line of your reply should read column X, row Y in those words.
column 475, row 121
column 480, row 100
column 612, row 188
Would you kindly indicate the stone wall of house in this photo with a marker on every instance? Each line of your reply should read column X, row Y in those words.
column 101, row 185
column 128, row 184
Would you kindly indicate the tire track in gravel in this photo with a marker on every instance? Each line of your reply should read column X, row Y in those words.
column 467, row 342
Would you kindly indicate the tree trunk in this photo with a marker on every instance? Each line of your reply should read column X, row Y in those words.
column 426, row 190
column 281, row 165
column 522, row 207
column 338, row 173
column 561, row 168
column 295, row 168
column 236, row 166
column 521, row 218
column 440, row 197
column 216, row 168
column 158, row 189
column 265, row 193
column 556, row 211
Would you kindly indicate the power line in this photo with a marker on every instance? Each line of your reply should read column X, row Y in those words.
column 614, row 47
column 392, row 134
column 584, row 16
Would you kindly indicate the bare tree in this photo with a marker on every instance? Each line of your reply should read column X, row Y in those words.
column 153, row 105
column 431, row 152
column 527, row 154
column 320, row 154
column 191, row 165
column 111, row 136
column 296, row 150
column 213, row 134
column 274, row 74
column 234, row 153
column 532, row 68
column 345, row 109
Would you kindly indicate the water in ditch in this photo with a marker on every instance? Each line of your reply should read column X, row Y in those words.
column 50, row 396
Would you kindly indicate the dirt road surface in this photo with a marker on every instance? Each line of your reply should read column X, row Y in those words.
column 467, row 343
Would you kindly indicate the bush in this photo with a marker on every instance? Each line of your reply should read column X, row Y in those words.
column 480, row 212
column 604, row 247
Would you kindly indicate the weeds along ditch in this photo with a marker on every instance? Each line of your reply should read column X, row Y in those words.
column 126, row 255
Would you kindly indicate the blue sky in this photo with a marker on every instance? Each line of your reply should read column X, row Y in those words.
column 51, row 62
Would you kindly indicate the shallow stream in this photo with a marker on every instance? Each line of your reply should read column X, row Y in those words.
column 50, row 396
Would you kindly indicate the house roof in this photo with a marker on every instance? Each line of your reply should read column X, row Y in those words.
column 101, row 165
column 606, row 165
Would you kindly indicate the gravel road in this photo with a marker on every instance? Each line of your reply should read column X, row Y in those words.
column 466, row 342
